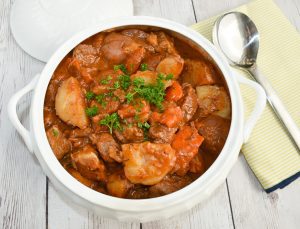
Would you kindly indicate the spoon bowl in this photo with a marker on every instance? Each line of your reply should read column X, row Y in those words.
column 238, row 38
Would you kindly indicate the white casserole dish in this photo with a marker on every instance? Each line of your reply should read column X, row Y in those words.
column 144, row 209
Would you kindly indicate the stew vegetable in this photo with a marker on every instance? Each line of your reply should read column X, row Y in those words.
column 136, row 114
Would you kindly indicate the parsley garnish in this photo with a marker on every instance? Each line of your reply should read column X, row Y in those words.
column 144, row 67
column 111, row 121
column 153, row 93
column 129, row 97
column 136, row 117
column 55, row 132
column 91, row 111
column 100, row 99
column 89, row 95
column 138, row 82
column 144, row 125
column 169, row 76
column 124, row 81
column 121, row 67
column 107, row 80
column 116, row 85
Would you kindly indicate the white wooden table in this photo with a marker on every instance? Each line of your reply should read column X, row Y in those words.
column 28, row 200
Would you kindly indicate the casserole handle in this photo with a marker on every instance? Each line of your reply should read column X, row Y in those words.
column 12, row 112
column 258, row 108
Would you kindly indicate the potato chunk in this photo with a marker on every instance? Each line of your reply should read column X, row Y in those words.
column 118, row 185
column 147, row 163
column 171, row 65
column 213, row 100
column 149, row 77
column 70, row 104
column 198, row 72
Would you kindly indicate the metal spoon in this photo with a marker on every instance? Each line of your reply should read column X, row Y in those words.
column 237, row 37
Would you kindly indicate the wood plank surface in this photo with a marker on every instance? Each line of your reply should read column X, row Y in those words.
column 22, row 182
column 27, row 200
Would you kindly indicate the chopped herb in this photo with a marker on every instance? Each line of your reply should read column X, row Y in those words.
column 169, row 76
column 124, row 81
column 104, row 104
column 129, row 97
column 136, row 117
column 100, row 99
column 112, row 122
column 153, row 93
column 116, row 85
column 89, row 95
column 91, row 111
column 144, row 67
column 121, row 67
column 109, row 94
column 138, row 82
column 145, row 126
column 140, row 106
column 115, row 98
column 55, row 132
column 107, row 80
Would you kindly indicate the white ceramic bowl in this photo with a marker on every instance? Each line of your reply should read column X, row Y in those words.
column 144, row 209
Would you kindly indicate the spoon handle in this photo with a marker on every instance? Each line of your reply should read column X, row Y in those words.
column 277, row 105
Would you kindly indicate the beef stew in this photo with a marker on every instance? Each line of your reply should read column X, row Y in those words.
column 136, row 113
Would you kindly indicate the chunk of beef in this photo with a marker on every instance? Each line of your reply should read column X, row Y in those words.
column 108, row 148
column 152, row 60
column 161, row 134
column 197, row 164
column 213, row 100
column 87, row 182
column 129, row 134
column 49, row 117
column 58, row 142
column 169, row 184
column 214, row 129
column 118, row 48
column 138, row 192
column 189, row 102
column 135, row 33
column 87, row 55
column 165, row 44
column 88, row 164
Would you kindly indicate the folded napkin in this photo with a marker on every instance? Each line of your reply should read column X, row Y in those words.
column 270, row 152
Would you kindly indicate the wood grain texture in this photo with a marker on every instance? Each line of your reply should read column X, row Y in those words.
column 211, row 213
column 62, row 213
column 177, row 10
column 239, row 203
column 22, row 183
